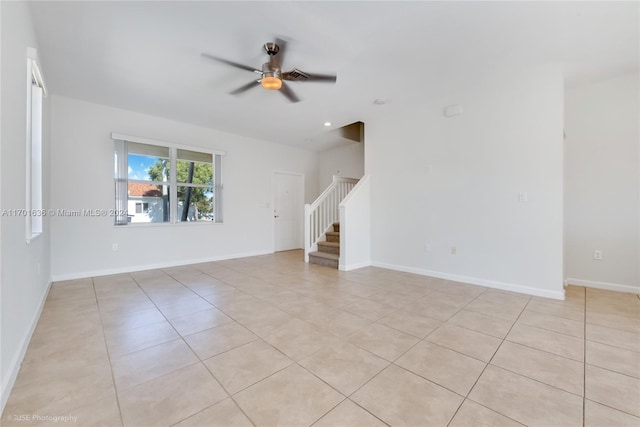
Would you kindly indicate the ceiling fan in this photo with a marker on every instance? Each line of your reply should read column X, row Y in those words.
column 271, row 75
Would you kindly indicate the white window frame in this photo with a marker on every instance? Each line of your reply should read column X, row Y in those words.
column 121, row 166
column 36, row 91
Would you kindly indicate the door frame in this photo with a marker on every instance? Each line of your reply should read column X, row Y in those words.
column 300, row 203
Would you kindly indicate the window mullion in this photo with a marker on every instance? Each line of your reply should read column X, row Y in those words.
column 173, row 184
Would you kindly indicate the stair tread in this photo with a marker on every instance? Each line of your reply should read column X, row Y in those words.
column 325, row 255
column 333, row 233
column 332, row 244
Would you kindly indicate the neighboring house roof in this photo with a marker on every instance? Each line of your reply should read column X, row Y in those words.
column 144, row 190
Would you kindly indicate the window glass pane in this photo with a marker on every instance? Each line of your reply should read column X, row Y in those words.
column 148, row 168
column 194, row 172
column 200, row 203
column 148, row 162
column 148, row 202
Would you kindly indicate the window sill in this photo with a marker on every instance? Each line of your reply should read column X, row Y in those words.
column 168, row 224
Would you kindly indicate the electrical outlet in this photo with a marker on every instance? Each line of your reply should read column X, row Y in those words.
column 114, row 247
column 523, row 197
column 597, row 254
column 427, row 247
column 454, row 250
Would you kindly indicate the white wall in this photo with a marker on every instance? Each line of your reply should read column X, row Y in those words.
column 447, row 182
column 82, row 177
column 346, row 161
column 355, row 227
column 602, row 206
column 25, row 271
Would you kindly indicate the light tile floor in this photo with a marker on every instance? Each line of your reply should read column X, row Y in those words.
column 272, row 341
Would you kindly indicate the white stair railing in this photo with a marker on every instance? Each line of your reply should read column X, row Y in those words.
column 323, row 212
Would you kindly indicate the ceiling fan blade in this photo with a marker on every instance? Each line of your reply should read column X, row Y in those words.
column 330, row 78
column 233, row 64
column 282, row 44
column 286, row 91
column 245, row 88
column 300, row 76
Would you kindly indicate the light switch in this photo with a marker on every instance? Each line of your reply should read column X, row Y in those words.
column 523, row 197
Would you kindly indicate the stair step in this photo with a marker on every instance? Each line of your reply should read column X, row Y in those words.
column 333, row 236
column 322, row 258
column 329, row 247
column 336, row 227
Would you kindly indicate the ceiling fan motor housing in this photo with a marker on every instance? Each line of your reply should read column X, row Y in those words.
column 271, row 69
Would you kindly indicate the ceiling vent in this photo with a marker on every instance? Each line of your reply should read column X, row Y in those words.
column 297, row 75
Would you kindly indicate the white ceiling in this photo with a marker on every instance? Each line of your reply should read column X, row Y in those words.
column 145, row 56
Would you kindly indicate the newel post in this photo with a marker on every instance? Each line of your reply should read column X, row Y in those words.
column 307, row 231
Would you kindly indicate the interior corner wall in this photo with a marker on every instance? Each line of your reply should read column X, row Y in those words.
column 439, row 183
column 602, row 176
column 25, row 273
column 82, row 178
column 346, row 161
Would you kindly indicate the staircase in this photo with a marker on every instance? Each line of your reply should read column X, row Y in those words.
column 322, row 216
column 328, row 253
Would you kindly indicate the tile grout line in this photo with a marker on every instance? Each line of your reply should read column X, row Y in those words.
column 555, row 315
column 343, row 339
column 115, row 387
column 413, row 346
column 297, row 363
column 194, row 353
column 614, row 372
column 544, row 351
column 389, row 363
column 294, row 362
column 488, row 363
column 615, row 409
column 464, row 398
column 615, row 329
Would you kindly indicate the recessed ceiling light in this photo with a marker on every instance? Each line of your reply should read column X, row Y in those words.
column 381, row 101
column 327, row 124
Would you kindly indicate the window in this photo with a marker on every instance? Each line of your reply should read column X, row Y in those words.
column 142, row 208
column 35, row 92
column 165, row 184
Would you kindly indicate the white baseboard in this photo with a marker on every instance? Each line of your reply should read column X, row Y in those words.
column 16, row 362
column 129, row 269
column 355, row 266
column 603, row 285
column 474, row 281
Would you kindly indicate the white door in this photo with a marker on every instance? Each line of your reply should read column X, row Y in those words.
column 287, row 211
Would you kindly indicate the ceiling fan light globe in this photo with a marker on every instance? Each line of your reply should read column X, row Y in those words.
column 271, row 83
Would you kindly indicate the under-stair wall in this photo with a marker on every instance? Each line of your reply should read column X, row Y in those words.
column 355, row 227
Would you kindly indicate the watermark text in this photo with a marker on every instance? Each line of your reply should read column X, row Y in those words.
column 63, row 212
